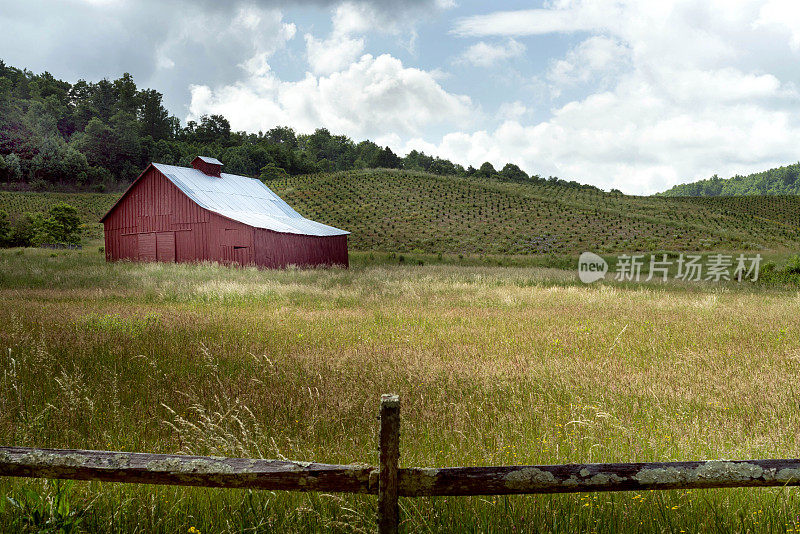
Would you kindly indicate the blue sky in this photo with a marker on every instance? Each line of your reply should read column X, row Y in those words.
column 635, row 95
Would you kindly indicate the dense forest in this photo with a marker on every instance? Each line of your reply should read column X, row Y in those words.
column 98, row 136
column 778, row 181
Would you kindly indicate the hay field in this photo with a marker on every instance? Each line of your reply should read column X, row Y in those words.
column 495, row 365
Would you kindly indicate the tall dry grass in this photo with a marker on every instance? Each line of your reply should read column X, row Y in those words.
column 494, row 366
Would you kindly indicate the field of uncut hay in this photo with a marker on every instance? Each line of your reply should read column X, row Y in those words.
column 495, row 365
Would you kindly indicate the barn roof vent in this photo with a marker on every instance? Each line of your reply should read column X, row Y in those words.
column 207, row 165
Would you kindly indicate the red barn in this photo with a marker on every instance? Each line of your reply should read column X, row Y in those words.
column 202, row 214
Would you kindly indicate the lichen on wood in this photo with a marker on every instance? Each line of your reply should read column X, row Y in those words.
column 214, row 471
column 210, row 471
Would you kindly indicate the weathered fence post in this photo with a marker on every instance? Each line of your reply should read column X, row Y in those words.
column 388, row 508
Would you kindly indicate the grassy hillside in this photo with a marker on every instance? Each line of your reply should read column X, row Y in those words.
column 780, row 208
column 91, row 206
column 777, row 181
column 417, row 212
column 404, row 211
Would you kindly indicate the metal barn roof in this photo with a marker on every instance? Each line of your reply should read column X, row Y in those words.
column 243, row 199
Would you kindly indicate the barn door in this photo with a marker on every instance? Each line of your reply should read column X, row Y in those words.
column 165, row 246
column 235, row 247
column 185, row 249
column 241, row 255
column 147, row 247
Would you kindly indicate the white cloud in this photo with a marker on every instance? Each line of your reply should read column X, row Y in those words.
column 356, row 17
column 601, row 141
column 782, row 14
column 168, row 45
column 635, row 140
column 529, row 22
column 251, row 30
column 672, row 91
column 332, row 54
column 389, row 17
column 372, row 97
column 341, row 48
column 351, row 20
column 512, row 110
column 163, row 61
column 596, row 56
column 347, row 92
column 484, row 54
column 248, row 38
column 649, row 92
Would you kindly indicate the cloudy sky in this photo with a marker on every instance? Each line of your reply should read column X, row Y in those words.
column 637, row 95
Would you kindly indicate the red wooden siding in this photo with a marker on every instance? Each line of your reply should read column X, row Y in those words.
column 207, row 168
column 273, row 249
column 156, row 221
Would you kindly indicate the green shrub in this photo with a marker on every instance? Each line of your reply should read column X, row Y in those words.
column 5, row 228
column 769, row 273
column 793, row 265
column 26, row 230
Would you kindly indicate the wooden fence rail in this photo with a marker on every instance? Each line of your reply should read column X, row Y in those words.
column 181, row 470
column 388, row 481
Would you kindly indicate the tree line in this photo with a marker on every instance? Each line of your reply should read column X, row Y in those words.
column 778, row 181
column 98, row 136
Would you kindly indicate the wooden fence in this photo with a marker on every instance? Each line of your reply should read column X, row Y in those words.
column 389, row 481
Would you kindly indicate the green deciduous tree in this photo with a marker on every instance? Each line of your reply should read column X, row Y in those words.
column 417, row 161
column 48, row 164
column 115, row 146
column 103, row 100
column 13, row 170
column 282, row 135
column 62, row 224
column 486, row 170
column 247, row 159
column 97, row 143
column 446, row 167
column 126, row 94
column 126, row 160
column 213, row 128
column 40, row 122
column 388, row 159
column 271, row 172
column 154, row 119
column 513, row 172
